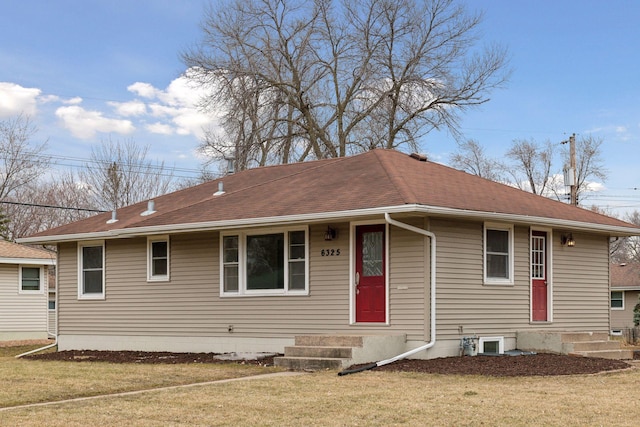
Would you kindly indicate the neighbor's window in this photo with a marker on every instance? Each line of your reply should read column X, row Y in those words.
column 264, row 263
column 617, row 300
column 498, row 254
column 31, row 280
column 158, row 259
column 91, row 270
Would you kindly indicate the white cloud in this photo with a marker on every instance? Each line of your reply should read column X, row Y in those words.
column 15, row 99
column 127, row 109
column 144, row 90
column 160, row 128
column 73, row 101
column 84, row 124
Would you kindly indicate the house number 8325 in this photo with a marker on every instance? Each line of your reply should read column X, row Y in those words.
column 330, row 252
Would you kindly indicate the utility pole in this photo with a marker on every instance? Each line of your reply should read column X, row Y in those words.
column 570, row 172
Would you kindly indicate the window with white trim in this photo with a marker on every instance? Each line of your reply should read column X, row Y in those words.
column 31, row 279
column 264, row 263
column 91, row 275
column 491, row 345
column 617, row 300
column 158, row 258
column 498, row 254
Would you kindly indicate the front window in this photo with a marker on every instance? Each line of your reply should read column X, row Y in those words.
column 158, row 259
column 617, row 300
column 498, row 254
column 91, row 271
column 261, row 264
column 31, row 280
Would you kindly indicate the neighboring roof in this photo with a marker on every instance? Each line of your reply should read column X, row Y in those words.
column 13, row 253
column 370, row 183
column 625, row 276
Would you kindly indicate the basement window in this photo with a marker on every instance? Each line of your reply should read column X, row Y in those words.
column 270, row 263
column 491, row 345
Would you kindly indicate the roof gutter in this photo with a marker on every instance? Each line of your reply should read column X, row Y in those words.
column 324, row 216
column 432, row 309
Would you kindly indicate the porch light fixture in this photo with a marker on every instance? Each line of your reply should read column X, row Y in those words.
column 330, row 234
column 567, row 240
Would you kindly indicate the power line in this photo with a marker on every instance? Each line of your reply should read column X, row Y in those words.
column 37, row 205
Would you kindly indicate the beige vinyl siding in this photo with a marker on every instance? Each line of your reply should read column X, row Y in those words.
column 20, row 312
column 581, row 283
column 624, row 318
column 579, row 277
column 463, row 301
column 190, row 303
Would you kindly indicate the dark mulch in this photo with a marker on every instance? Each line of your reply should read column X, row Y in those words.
column 150, row 357
column 541, row 364
column 497, row 366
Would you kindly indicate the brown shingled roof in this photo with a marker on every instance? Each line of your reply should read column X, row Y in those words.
column 375, row 179
column 16, row 251
column 626, row 275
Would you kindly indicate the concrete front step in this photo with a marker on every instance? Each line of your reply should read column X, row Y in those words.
column 583, row 336
column 310, row 363
column 319, row 351
column 620, row 354
column 593, row 346
column 332, row 351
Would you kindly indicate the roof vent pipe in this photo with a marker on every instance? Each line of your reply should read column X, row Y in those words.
column 220, row 191
column 114, row 218
column 151, row 208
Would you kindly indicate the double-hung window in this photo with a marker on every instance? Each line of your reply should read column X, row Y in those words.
column 158, row 259
column 617, row 300
column 498, row 254
column 264, row 263
column 91, row 275
column 31, row 280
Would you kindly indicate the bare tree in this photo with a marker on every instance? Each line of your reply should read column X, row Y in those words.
column 52, row 202
column 119, row 174
column 326, row 78
column 531, row 167
column 471, row 158
column 21, row 159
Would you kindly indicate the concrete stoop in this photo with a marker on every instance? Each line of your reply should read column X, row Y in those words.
column 587, row 344
column 319, row 352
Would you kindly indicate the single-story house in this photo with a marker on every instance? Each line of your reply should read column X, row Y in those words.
column 377, row 244
column 24, row 291
column 625, row 293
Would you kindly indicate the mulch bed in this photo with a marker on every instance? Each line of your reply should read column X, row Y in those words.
column 541, row 364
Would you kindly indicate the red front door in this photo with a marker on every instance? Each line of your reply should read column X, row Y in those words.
column 370, row 283
column 539, row 292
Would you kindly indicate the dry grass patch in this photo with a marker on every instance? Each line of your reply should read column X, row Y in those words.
column 28, row 381
column 366, row 399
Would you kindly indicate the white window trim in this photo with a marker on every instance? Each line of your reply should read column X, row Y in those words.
column 616, row 308
column 242, row 265
column 158, row 277
column 483, row 340
column 42, row 280
column 496, row 280
column 95, row 296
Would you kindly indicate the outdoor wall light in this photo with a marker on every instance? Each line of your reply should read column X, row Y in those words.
column 567, row 240
column 330, row 234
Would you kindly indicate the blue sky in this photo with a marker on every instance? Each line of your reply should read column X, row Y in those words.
column 87, row 71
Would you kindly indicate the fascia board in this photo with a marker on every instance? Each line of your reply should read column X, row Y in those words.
column 326, row 216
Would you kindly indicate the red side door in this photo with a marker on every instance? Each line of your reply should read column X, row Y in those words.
column 539, row 291
column 370, row 280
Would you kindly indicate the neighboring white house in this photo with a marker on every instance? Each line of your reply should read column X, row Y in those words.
column 24, row 292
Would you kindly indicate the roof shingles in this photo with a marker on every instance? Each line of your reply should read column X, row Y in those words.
column 378, row 178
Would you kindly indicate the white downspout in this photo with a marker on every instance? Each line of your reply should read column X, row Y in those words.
column 432, row 335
